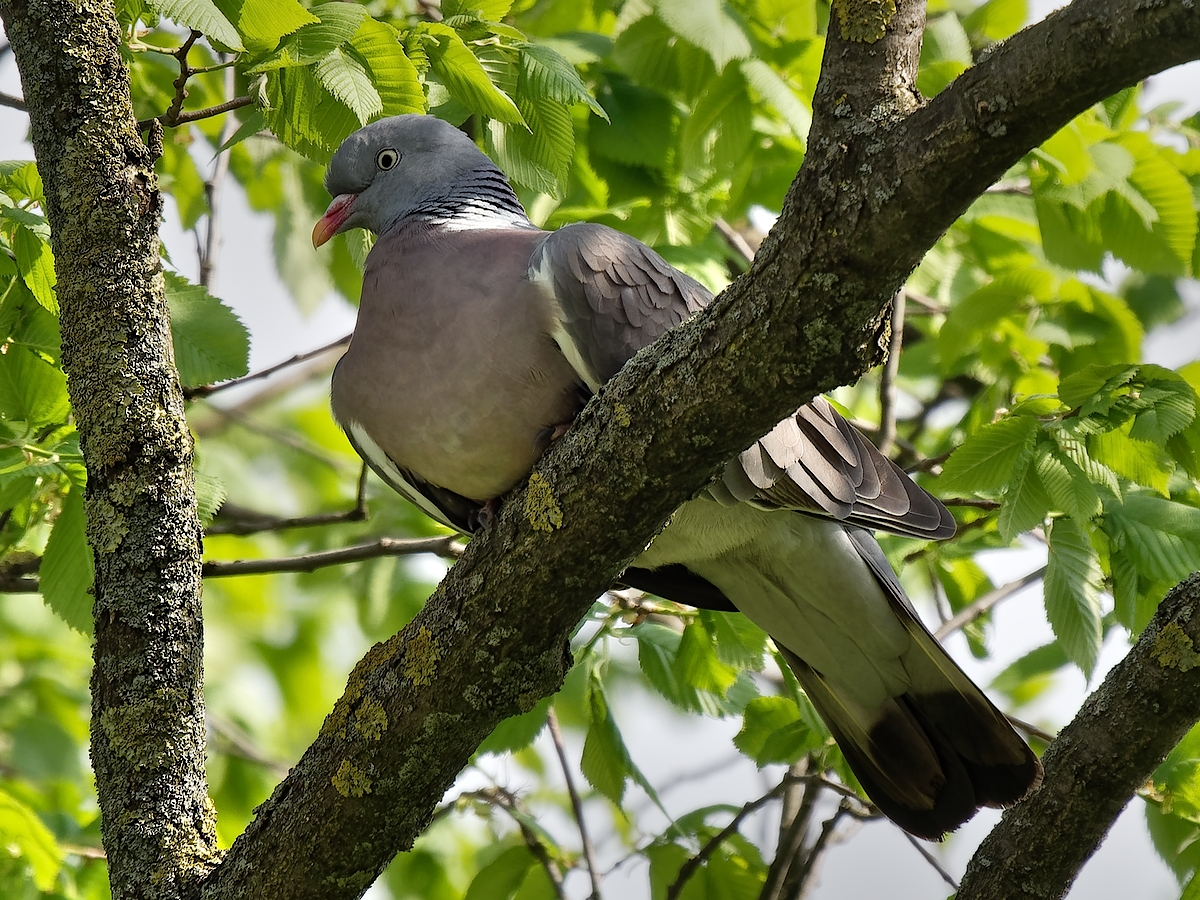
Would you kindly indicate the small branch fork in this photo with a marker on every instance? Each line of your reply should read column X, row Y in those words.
column 175, row 116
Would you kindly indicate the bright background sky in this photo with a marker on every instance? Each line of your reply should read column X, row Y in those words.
column 878, row 861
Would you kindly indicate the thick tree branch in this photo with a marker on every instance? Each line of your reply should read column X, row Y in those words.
column 808, row 316
column 104, row 210
column 1098, row 761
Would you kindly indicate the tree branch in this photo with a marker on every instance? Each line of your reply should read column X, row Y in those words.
column 148, row 732
column 973, row 611
column 1098, row 761
column 807, row 317
column 13, row 102
column 207, row 390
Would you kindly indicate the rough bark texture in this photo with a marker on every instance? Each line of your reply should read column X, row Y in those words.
column 882, row 180
column 103, row 205
column 1125, row 728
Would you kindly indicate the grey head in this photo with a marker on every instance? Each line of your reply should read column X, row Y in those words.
column 414, row 168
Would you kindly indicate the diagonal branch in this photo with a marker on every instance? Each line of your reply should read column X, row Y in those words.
column 1098, row 761
column 808, row 316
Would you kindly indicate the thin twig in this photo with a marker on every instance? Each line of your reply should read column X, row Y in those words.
column 242, row 522
column 973, row 611
column 928, row 306
column 932, row 860
column 688, row 869
column 797, row 879
column 13, row 102
column 734, row 239
column 1020, row 186
column 988, row 505
column 793, row 827
column 175, row 116
column 207, row 390
column 447, row 546
column 212, row 192
column 1030, row 729
column 81, row 850
column 887, row 380
column 589, row 853
column 238, row 743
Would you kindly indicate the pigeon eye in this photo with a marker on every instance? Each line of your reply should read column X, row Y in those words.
column 387, row 158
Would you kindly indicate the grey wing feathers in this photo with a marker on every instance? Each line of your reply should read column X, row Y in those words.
column 616, row 295
column 816, row 462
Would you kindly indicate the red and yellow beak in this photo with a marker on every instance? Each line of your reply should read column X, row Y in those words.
column 333, row 220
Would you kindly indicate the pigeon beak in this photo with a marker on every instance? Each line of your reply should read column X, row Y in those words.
column 333, row 220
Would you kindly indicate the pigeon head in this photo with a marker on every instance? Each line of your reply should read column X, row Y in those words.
column 413, row 167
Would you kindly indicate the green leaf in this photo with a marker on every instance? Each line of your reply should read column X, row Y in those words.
column 337, row 23
column 697, row 664
column 1026, row 502
column 605, row 762
column 500, row 878
column 1161, row 537
column 394, row 76
column 1172, row 408
column 1073, row 582
column 1031, row 675
column 211, row 343
column 779, row 94
column 32, row 389
column 488, row 10
column 517, row 732
column 997, row 19
column 347, row 79
column 202, row 15
column 739, row 642
column 35, row 262
column 210, row 494
column 773, row 730
column 1177, row 779
column 262, row 23
column 1084, row 386
column 547, row 74
column 987, row 459
column 67, row 570
column 537, row 156
column 23, row 835
column 1139, row 461
column 1068, row 487
column 717, row 133
column 709, row 24
column 640, row 130
column 461, row 72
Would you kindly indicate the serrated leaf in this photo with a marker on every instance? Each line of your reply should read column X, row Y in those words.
column 337, row 23
column 393, row 73
column 1162, row 538
column 708, row 24
column 546, row 73
column 1073, row 583
column 739, row 642
column 262, row 23
column 987, row 459
column 202, row 15
column 348, row 81
column 640, row 130
column 537, row 156
column 774, row 731
column 211, row 343
column 697, row 664
column 22, row 831
column 32, row 389
column 605, row 762
column 1139, row 461
column 718, row 131
column 1026, row 502
column 1066, row 484
column 67, row 570
column 463, row 75
column 1080, row 387
column 1172, row 409
column 35, row 262
column 488, row 10
column 210, row 494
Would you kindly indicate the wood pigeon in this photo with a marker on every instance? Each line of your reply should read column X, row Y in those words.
column 480, row 337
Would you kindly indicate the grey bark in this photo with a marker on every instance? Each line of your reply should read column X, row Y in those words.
column 883, row 178
column 1125, row 728
column 103, row 206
